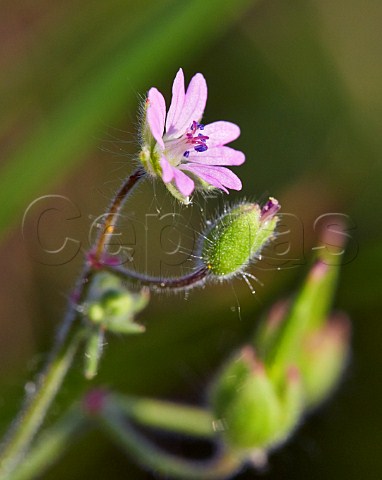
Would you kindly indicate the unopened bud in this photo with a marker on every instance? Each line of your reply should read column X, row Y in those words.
column 323, row 358
column 237, row 237
column 113, row 308
column 245, row 401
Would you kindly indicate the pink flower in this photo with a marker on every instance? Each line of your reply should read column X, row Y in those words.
column 181, row 150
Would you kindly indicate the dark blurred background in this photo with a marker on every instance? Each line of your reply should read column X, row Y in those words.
column 303, row 80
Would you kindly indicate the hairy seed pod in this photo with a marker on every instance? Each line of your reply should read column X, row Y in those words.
column 237, row 237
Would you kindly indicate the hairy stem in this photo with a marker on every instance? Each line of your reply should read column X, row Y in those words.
column 193, row 279
column 114, row 209
column 84, row 282
column 31, row 417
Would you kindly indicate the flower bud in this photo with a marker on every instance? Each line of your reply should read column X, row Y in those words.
column 244, row 401
column 110, row 307
column 323, row 357
column 113, row 308
column 237, row 237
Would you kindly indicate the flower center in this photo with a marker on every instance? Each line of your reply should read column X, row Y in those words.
column 197, row 140
column 178, row 149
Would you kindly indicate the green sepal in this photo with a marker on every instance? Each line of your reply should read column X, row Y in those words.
column 175, row 193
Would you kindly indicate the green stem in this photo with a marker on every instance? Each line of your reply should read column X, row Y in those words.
column 115, row 423
column 169, row 416
column 51, row 445
column 31, row 417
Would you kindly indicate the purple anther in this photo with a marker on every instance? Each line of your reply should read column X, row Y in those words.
column 201, row 148
column 186, row 154
column 196, row 139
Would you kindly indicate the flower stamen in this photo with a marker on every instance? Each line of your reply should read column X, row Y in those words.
column 198, row 140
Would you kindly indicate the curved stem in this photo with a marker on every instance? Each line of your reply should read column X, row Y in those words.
column 114, row 209
column 31, row 417
column 24, row 428
column 114, row 422
column 84, row 282
column 193, row 279
column 167, row 416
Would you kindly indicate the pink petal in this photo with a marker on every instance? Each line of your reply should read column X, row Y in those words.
column 177, row 103
column 184, row 183
column 194, row 104
column 156, row 114
column 211, row 180
column 217, row 156
column 212, row 174
column 220, row 133
column 167, row 170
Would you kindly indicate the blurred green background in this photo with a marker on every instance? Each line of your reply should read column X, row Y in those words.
column 303, row 80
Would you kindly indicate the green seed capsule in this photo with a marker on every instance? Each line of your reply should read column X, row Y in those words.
column 257, row 414
column 244, row 398
column 238, row 236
